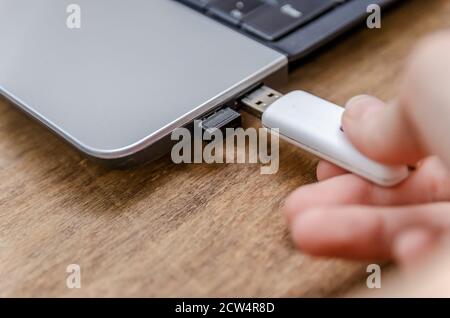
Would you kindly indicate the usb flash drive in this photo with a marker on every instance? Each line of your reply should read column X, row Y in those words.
column 314, row 124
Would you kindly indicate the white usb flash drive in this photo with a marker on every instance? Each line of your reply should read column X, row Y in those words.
column 314, row 124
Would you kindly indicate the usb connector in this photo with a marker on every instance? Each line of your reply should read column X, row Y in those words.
column 258, row 100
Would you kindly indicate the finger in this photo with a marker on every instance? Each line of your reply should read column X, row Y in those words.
column 416, row 124
column 326, row 170
column 429, row 183
column 361, row 232
column 425, row 95
column 378, row 131
column 412, row 246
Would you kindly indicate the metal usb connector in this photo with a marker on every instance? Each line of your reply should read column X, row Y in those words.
column 258, row 100
column 255, row 102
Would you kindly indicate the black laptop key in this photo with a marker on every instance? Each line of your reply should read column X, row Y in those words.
column 272, row 21
column 233, row 11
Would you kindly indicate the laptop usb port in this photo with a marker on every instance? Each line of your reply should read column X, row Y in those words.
column 220, row 120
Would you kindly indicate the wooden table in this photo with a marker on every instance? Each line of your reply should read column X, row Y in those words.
column 184, row 230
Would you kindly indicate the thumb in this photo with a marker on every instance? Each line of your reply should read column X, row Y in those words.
column 417, row 124
column 381, row 132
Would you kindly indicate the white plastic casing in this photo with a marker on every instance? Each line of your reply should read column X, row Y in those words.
column 314, row 124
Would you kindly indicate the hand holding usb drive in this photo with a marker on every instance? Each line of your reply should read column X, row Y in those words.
column 314, row 124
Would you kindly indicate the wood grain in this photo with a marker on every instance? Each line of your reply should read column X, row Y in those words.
column 184, row 230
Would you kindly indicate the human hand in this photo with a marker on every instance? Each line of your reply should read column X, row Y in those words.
column 346, row 216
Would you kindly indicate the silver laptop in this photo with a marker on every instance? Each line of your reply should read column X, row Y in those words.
column 116, row 85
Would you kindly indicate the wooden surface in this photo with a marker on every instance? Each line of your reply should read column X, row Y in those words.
column 183, row 230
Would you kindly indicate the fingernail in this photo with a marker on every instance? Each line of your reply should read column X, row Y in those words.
column 361, row 106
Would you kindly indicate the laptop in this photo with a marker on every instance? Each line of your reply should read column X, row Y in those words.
column 133, row 71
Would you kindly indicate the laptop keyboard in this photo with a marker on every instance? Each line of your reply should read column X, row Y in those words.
column 266, row 19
